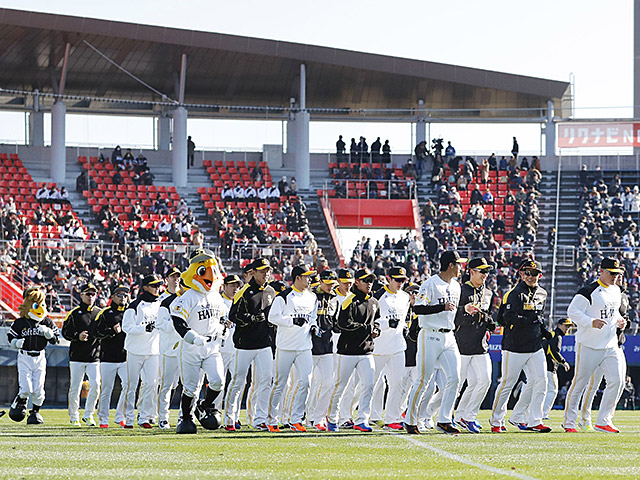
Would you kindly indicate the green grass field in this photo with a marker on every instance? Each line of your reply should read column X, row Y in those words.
column 57, row 450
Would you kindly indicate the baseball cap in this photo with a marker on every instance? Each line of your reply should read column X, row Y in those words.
column 479, row 263
column 301, row 269
column 315, row 280
column 259, row 264
column 173, row 270
column 88, row 287
column 411, row 287
column 345, row 275
column 364, row 273
column 565, row 321
column 151, row 280
column 398, row 272
column 530, row 265
column 201, row 255
column 279, row 286
column 612, row 265
column 328, row 276
column 120, row 289
column 247, row 268
column 450, row 256
column 231, row 279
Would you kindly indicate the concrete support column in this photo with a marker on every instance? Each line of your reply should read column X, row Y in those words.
column 291, row 135
column 58, row 142
column 303, row 159
column 36, row 128
column 164, row 132
column 179, row 150
column 421, row 124
column 550, row 134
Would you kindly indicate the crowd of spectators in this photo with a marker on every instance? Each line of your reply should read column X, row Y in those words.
column 360, row 152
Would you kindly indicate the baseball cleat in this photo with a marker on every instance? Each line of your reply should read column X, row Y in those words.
column 500, row 429
column 128, row 427
column 363, row 427
column 468, row 426
column 478, row 425
column 393, row 426
column 411, row 429
column 521, row 426
column 570, row 430
column 229, row 428
column 377, row 423
column 348, row 424
column 261, row 427
column 332, row 427
column 447, row 428
column 90, row 421
column 34, row 418
column 164, row 425
column 146, row 425
column 186, row 426
column 606, row 428
column 428, row 423
column 297, row 427
column 104, row 425
column 541, row 428
column 274, row 429
column 320, row 426
column 122, row 423
column 75, row 423
column 238, row 425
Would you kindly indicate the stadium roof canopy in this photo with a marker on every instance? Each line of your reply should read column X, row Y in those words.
column 229, row 70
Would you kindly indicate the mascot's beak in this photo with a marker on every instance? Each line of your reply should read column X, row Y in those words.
column 38, row 313
column 207, row 278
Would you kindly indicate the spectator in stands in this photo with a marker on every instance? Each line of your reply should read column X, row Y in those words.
column 283, row 186
column 250, row 194
column 191, row 150
column 227, row 193
column 293, row 188
column 504, row 163
column 353, row 151
column 483, row 170
column 42, row 195
column 59, row 196
column 238, row 192
column 461, row 183
column 487, row 198
column 263, row 193
column 128, row 159
column 493, row 162
column 116, row 157
column 340, row 149
column 515, row 149
column 363, row 150
column 375, row 151
column 454, row 196
column 146, row 177
column 139, row 163
column 135, row 214
column 524, row 164
column 182, row 208
column 11, row 207
column 421, row 157
column 116, row 178
column 256, row 174
column 450, row 154
column 84, row 182
column 634, row 203
column 386, row 152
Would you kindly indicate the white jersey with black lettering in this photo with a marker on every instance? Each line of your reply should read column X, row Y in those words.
column 202, row 312
column 393, row 314
column 288, row 306
column 435, row 291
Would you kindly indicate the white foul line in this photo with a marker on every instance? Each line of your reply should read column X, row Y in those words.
column 458, row 458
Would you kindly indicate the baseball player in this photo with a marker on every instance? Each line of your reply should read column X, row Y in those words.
column 253, row 338
column 473, row 323
column 436, row 307
column 169, row 338
column 598, row 375
column 198, row 317
column 552, row 348
column 142, row 343
column 327, row 308
column 230, row 287
column 358, row 323
column 84, row 355
column 389, row 347
column 411, row 338
column 521, row 315
column 113, row 356
column 293, row 312
column 595, row 310
column 30, row 334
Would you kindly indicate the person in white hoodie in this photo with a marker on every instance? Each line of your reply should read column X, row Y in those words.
column 595, row 310
column 293, row 312
column 198, row 317
column 169, row 338
column 142, row 343
column 389, row 347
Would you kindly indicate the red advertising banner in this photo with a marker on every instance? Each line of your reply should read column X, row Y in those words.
column 580, row 135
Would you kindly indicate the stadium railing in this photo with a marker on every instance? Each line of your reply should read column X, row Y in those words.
column 371, row 189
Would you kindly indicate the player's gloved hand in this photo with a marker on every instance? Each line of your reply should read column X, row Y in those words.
column 375, row 332
column 393, row 322
column 566, row 366
column 194, row 338
column 299, row 321
column 17, row 343
column 316, row 331
column 259, row 317
column 150, row 327
column 46, row 332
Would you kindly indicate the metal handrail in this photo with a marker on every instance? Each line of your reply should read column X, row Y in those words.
column 412, row 192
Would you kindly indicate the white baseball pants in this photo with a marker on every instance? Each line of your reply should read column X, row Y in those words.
column 108, row 373
column 408, row 377
column 263, row 368
column 77, row 372
column 552, row 393
column 194, row 359
column 320, row 388
column 31, row 375
column 227, row 362
column 364, row 366
column 613, row 366
column 145, row 368
column 476, row 370
column 390, row 367
column 169, row 376
column 535, row 368
column 435, row 349
column 302, row 362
